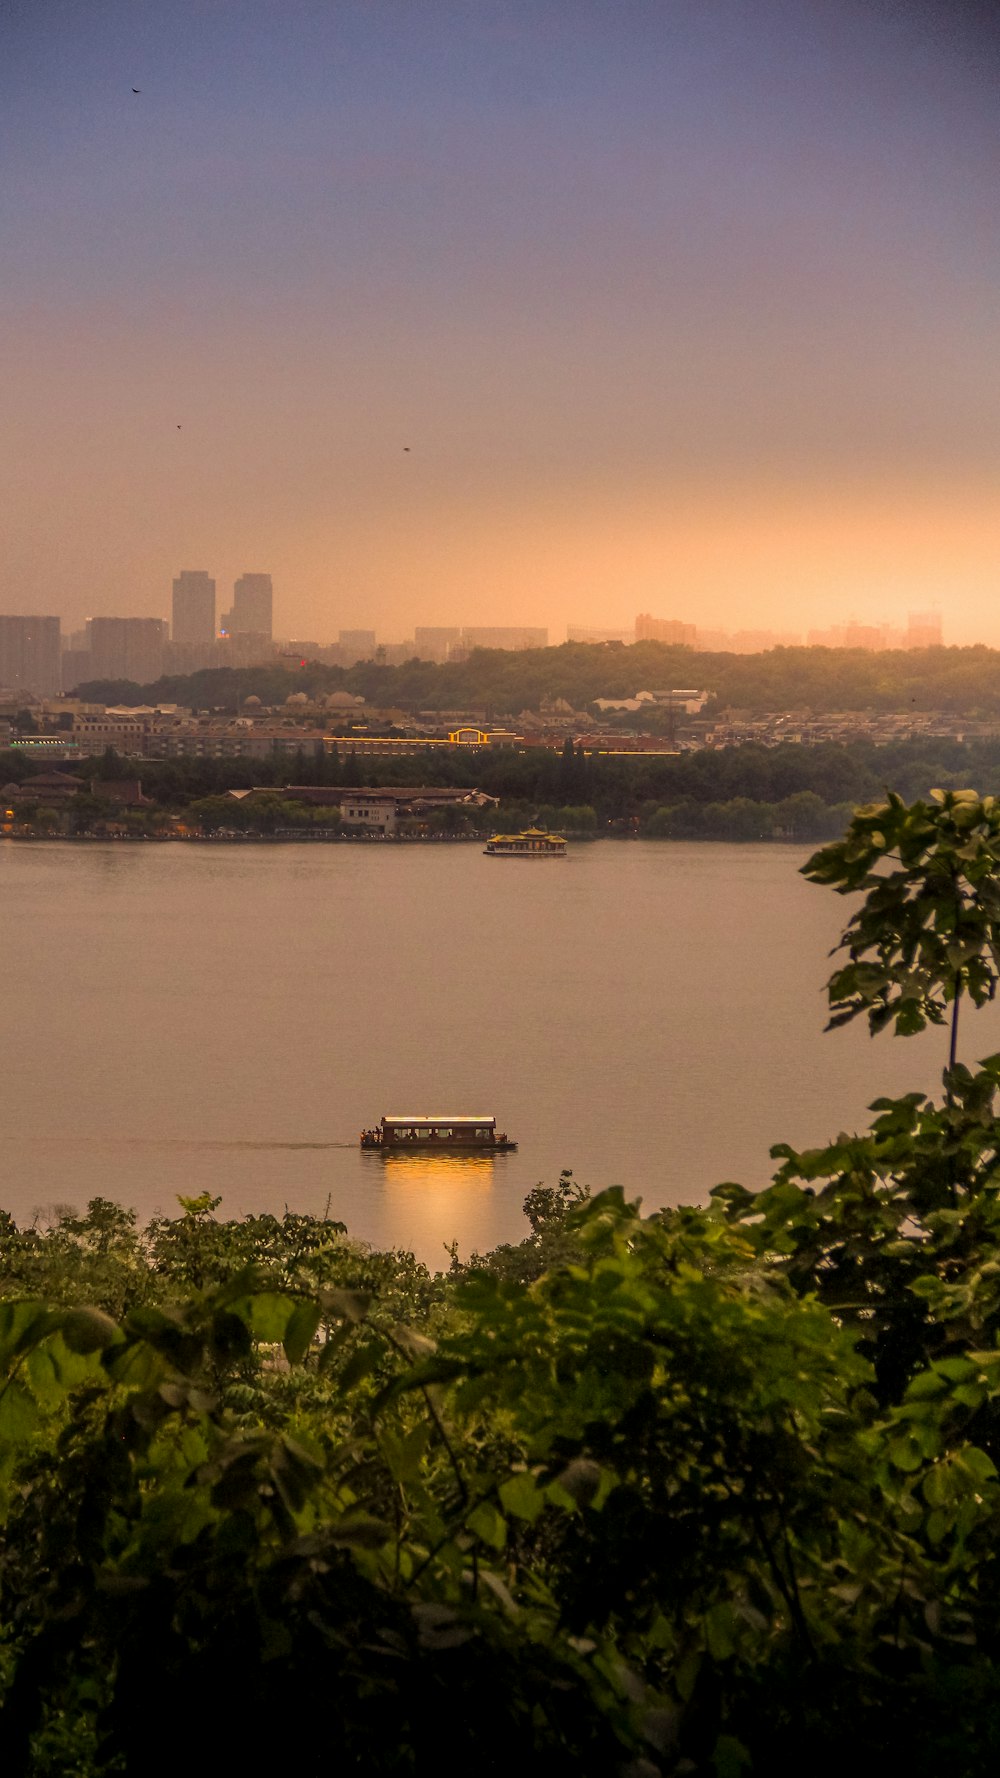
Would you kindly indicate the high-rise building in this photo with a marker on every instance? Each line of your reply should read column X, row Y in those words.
column 77, row 667
column 923, row 630
column 193, row 612
column 246, row 650
column 664, row 629
column 253, row 607
column 127, row 648
column 29, row 655
column 432, row 643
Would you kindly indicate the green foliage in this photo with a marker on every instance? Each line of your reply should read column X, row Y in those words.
column 576, row 818
column 928, row 930
column 551, row 1243
column 820, row 679
column 641, row 1511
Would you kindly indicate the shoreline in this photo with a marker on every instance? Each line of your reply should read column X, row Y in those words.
column 379, row 839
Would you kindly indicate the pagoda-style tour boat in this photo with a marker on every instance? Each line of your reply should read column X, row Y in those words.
column 453, row 1135
column 534, row 842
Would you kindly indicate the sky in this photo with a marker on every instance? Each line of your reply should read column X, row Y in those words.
column 507, row 311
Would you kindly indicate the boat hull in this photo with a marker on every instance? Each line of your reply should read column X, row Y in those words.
column 425, row 1145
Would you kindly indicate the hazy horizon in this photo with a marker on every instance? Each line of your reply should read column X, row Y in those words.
column 509, row 314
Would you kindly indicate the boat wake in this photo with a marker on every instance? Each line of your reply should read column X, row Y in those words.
column 187, row 1143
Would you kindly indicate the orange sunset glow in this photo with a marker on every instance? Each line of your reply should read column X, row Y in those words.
column 534, row 314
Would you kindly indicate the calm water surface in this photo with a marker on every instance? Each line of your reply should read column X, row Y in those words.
column 180, row 1018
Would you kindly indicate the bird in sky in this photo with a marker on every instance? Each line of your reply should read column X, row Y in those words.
column 137, row 89
column 178, row 425
column 406, row 447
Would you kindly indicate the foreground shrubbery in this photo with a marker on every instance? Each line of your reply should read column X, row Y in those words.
column 702, row 1491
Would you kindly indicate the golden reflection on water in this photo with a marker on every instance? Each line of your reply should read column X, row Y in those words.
column 434, row 1191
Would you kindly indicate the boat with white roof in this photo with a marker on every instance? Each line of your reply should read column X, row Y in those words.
column 465, row 1134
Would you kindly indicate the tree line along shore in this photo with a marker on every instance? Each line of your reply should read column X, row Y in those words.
column 789, row 792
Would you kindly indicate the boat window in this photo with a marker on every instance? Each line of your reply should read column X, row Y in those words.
column 445, row 1130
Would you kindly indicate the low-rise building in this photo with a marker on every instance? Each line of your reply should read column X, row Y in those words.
column 51, row 787
column 367, row 809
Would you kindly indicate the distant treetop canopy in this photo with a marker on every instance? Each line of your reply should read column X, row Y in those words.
column 965, row 680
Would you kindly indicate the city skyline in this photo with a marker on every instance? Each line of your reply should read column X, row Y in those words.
column 198, row 617
column 524, row 313
column 36, row 656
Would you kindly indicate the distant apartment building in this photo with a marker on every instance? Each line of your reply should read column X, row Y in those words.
column 92, row 733
column 516, row 639
column 127, row 648
column 356, row 645
column 77, row 667
column 252, row 612
column 209, row 739
column 870, row 637
column 192, row 615
column 30, row 655
column 246, row 649
column 923, row 630
column 435, row 642
column 665, row 629
column 759, row 641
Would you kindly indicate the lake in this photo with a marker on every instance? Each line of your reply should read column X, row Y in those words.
column 178, row 1018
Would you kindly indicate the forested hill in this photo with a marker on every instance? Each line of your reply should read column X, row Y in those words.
column 965, row 680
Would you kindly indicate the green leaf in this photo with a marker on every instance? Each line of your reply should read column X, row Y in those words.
column 521, row 1496
column 44, row 1375
column 360, row 1364
column 905, row 1454
column 19, row 1414
column 488, row 1524
column 302, row 1325
column 268, row 1316
column 980, row 1466
column 730, row 1758
column 940, row 1485
column 720, row 1631
column 358, row 1529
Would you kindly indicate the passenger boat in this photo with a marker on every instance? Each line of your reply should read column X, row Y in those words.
column 456, row 1135
column 534, row 842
